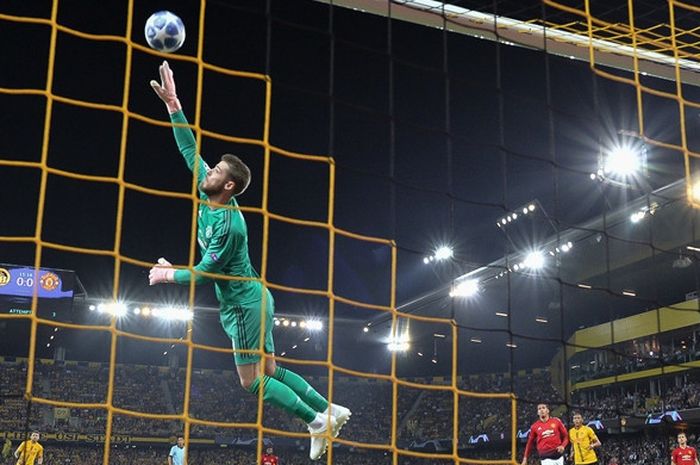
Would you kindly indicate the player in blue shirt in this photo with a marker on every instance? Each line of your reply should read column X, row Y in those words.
column 177, row 453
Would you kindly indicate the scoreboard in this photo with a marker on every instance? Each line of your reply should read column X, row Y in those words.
column 54, row 289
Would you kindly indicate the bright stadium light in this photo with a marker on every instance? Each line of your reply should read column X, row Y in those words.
column 117, row 309
column 398, row 346
column 314, row 325
column 696, row 191
column 173, row 313
column 636, row 217
column 466, row 288
column 622, row 161
column 444, row 252
column 534, row 260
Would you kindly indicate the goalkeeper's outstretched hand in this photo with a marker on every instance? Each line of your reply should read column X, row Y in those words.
column 163, row 272
column 166, row 88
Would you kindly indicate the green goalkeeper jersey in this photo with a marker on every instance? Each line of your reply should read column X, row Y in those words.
column 222, row 235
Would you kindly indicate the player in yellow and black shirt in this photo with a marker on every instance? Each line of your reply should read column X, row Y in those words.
column 583, row 442
column 30, row 451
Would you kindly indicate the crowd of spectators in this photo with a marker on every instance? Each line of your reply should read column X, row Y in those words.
column 677, row 392
column 422, row 414
column 630, row 450
column 636, row 355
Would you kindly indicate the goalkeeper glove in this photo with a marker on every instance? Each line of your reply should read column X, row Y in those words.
column 166, row 88
column 163, row 272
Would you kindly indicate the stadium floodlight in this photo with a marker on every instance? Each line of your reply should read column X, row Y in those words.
column 444, row 252
column 534, row 260
column 117, row 309
column 399, row 344
column 696, row 191
column 636, row 217
column 173, row 313
column 92, row 308
column 622, row 161
column 365, row 329
column 314, row 325
column 285, row 323
column 566, row 247
column 466, row 288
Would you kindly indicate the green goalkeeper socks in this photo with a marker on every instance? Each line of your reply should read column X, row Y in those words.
column 280, row 395
column 303, row 389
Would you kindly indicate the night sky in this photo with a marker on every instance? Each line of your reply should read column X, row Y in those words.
column 422, row 157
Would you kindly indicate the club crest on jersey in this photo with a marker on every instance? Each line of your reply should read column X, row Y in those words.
column 214, row 257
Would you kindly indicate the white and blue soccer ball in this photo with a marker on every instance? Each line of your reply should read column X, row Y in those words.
column 165, row 31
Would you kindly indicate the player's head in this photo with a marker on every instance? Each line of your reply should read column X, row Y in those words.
column 269, row 450
column 578, row 419
column 34, row 436
column 180, row 441
column 682, row 439
column 230, row 176
column 542, row 410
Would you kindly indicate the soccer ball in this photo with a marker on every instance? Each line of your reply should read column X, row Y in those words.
column 165, row 31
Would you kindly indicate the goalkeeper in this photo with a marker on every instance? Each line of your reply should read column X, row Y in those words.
column 223, row 240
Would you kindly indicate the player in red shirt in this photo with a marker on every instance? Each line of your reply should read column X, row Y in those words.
column 268, row 458
column 550, row 436
column 683, row 454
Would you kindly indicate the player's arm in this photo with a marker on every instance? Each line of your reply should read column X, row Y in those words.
column 595, row 442
column 212, row 261
column 571, row 453
column 19, row 450
column 170, row 457
column 563, row 434
column 528, row 446
column 40, row 456
column 673, row 458
column 184, row 138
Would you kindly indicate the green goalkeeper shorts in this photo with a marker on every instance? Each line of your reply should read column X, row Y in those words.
column 242, row 324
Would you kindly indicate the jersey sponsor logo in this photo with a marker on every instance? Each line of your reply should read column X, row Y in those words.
column 4, row 277
column 208, row 233
column 49, row 281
